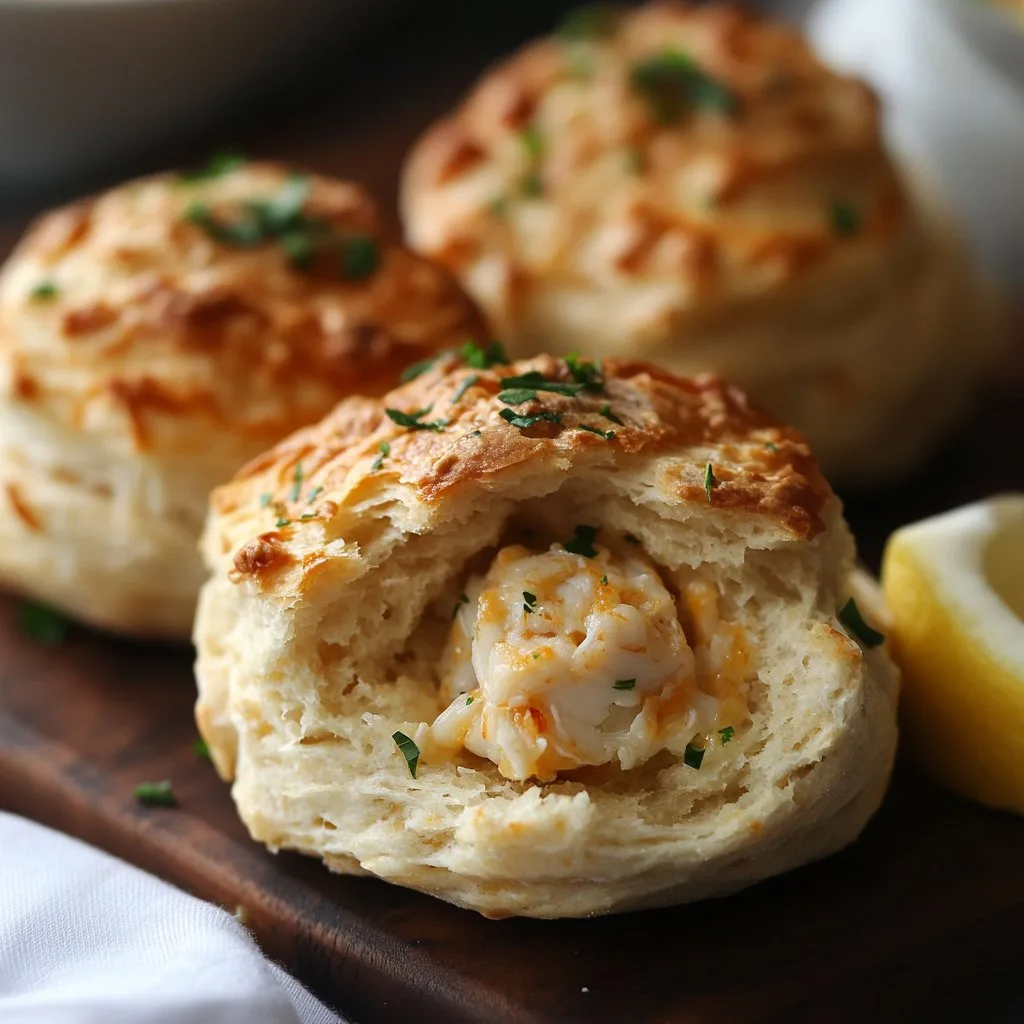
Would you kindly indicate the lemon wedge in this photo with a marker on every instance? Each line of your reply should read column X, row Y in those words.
column 955, row 589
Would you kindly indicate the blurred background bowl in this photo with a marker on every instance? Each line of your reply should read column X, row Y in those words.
column 87, row 83
column 951, row 74
column 995, row 32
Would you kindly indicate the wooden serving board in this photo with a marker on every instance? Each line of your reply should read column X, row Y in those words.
column 922, row 919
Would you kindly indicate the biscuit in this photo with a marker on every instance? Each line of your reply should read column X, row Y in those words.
column 155, row 338
column 551, row 639
column 691, row 185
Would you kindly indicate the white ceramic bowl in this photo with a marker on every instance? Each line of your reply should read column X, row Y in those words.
column 86, row 82
column 993, row 32
column 951, row 73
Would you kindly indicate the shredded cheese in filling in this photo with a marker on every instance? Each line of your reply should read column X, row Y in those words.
column 556, row 660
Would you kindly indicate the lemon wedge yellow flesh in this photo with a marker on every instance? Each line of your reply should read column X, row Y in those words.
column 955, row 589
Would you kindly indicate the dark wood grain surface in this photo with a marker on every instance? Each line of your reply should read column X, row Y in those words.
column 921, row 920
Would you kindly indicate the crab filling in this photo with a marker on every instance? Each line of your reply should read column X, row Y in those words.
column 558, row 660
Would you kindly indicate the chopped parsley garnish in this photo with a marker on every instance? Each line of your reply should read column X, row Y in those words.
column 582, row 542
column 43, row 625
column 524, row 422
column 281, row 219
column 360, row 257
column 624, row 684
column 299, row 249
column 529, row 383
column 265, row 499
column 534, row 381
column 409, row 750
column 499, row 207
column 44, row 291
column 726, row 734
column 244, row 233
column 586, row 373
column 280, row 213
column 314, row 494
column 608, row 435
column 580, row 65
column 594, row 21
column 463, row 599
column 306, row 516
column 533, row 141
column 297, row 483
column 632, row 539
column 414, row 370
column 693, row 756
column 483, row 357
column 529, row 602
column 469, row 700
column 604, row 581
column 771, row 446
column 282, row 521
column 853, row 621
column 155, row 794
column 709, row 480
column 516, row 396
column 673, row 85
column 844, row 217
column 533, row 184
column 385, row 449
column 218, row 164
column 201, row 750
column 415, row 421
column 464, row 387
column 606, row 412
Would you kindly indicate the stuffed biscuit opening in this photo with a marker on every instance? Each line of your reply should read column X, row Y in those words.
column 582, row 653
column 534, row 646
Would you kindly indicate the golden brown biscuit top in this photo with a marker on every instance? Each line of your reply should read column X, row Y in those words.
column 699, row 144
column 255, row 297
column 474, row 422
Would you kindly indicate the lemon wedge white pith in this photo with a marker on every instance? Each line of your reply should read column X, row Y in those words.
column 955, row 589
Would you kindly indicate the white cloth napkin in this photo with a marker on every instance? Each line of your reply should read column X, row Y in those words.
column 88, row 939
